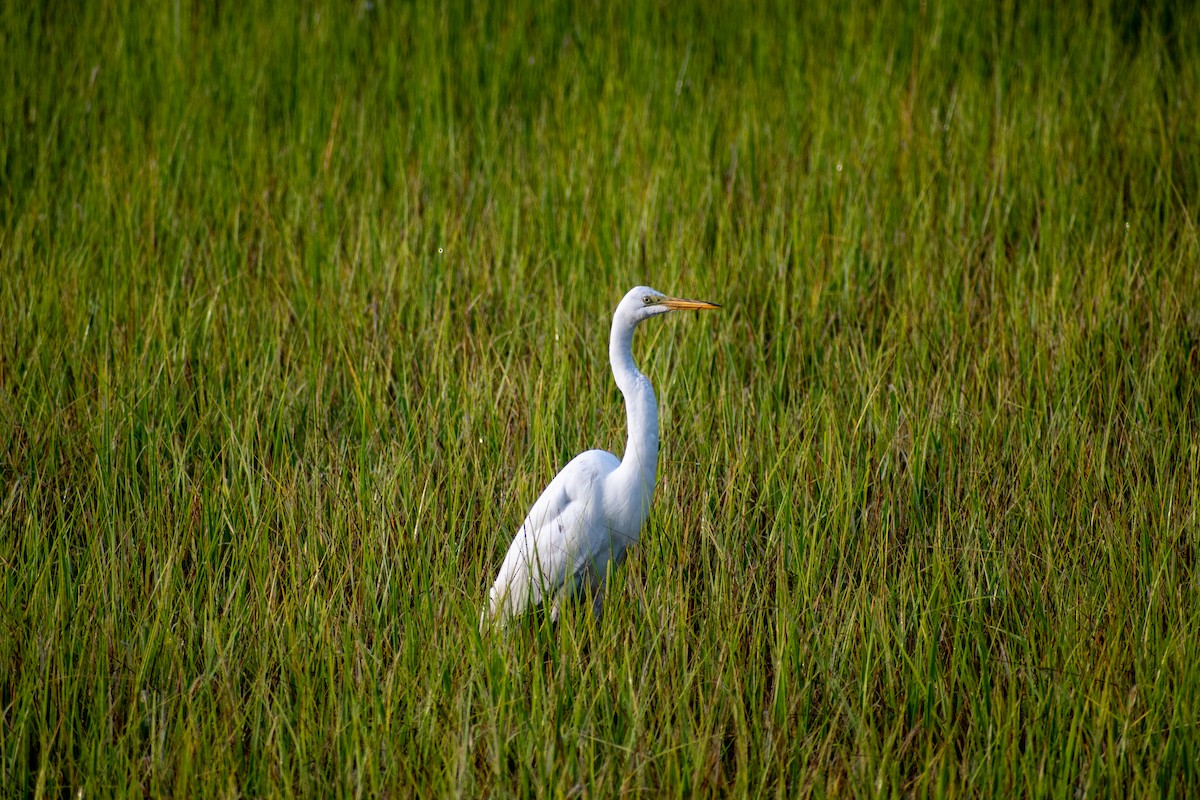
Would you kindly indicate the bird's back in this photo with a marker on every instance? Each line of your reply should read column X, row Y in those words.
column 563, row 535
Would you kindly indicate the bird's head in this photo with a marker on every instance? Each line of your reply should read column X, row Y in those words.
column 642, row 302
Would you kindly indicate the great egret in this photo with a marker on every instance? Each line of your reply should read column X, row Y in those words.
column 594, row 509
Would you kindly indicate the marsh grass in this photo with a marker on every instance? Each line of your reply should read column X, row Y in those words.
column 301, row 309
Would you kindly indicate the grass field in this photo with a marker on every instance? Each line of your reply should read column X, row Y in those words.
column 299, row 310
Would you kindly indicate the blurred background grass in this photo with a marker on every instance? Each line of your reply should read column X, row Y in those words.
column 301, row 307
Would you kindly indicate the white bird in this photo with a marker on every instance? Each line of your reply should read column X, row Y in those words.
column 595, row 508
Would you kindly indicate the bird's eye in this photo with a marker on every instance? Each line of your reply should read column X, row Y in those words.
column 648, row 299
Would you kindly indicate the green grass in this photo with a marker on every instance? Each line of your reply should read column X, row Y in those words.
column 300, row 310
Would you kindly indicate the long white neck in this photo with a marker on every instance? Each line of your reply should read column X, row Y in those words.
column 640, row 463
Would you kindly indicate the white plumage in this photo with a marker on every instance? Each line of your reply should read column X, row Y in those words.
column 595, row 508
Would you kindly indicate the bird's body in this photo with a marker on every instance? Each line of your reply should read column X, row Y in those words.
column 595, row 508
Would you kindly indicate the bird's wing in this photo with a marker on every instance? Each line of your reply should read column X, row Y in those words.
column 561, row 533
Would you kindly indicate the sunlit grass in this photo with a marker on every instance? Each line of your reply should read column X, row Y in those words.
column 300, row 311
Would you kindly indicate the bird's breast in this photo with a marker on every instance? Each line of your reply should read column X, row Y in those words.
column 628, row 509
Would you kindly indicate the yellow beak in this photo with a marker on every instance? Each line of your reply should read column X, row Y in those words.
column 679, row 304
